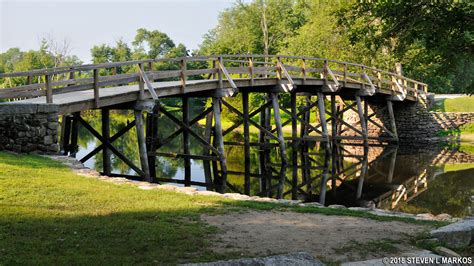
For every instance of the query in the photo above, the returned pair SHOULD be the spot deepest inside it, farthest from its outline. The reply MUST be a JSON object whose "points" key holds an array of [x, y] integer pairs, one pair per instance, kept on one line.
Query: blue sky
{"points": [[86, 23]]}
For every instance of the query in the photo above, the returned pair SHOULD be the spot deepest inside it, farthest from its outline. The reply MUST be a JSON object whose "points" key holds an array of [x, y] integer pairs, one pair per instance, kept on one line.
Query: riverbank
{"points": [[50, 215]]}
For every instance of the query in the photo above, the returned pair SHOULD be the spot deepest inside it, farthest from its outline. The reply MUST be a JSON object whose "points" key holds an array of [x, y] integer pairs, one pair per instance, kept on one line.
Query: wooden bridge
{"points": [[139, 86]]}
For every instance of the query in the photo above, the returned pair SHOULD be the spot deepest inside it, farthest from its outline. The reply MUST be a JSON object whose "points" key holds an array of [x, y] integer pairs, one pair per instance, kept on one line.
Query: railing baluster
{"points": [[183, 68], [251, 70], [325, 72], [49, 90], [303, 70], [141, 82], [219, 72], [96, 87], [345, 74]]}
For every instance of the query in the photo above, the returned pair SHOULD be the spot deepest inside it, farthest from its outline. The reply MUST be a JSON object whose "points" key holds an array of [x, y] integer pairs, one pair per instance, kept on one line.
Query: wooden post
{"points": [[49, 89], [106, 153], [220, 143], [74, 134], [261, 153], [333, 117], [152, 140], [183, 67], [245, 103], [207, 137], [363, 173], [251, 71], [294, 122], [278, 68], [96, 88], [392, 119], [322, 116], [303, 71], [279, 129], [363, 123], [65, 134], [142, 145], [325, 72], [294, 145], [379, 79], [220, 64], [29, 79], [141, 84], [345, 75], [391, 169], [187, 161]]}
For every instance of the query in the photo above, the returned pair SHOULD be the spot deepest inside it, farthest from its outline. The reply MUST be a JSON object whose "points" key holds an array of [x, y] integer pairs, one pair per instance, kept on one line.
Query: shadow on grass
{"points": [[119, 238]]}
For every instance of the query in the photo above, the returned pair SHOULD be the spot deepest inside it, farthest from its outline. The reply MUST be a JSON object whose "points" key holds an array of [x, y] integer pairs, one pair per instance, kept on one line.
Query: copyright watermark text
{"points": [[427, 260]]}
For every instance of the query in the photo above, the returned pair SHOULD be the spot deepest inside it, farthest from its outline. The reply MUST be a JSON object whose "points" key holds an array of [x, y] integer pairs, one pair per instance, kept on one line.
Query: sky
{"points": [[85, 23]]}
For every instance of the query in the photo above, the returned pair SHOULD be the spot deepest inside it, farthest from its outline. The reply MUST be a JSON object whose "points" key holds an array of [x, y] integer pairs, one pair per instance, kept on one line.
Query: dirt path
{"points": [[329, 238]]}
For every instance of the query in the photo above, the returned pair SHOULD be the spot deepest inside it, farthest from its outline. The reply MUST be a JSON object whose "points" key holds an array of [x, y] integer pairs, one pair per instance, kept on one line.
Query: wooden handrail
{"points": [[251, 65]]}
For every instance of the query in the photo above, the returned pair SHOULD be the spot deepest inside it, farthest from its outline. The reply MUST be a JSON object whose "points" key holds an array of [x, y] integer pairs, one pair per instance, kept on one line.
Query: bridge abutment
{"points": [[29, 128], [414, 122]]}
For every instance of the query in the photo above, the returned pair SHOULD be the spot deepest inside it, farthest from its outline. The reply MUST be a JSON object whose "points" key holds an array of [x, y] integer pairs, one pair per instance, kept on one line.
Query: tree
{"points": [[433, 38], [101, 54], [258, 27], [157, 42]]}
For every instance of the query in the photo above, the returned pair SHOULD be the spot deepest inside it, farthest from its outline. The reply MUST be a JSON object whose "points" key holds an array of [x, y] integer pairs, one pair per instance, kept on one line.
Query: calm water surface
{"points": [[408, 179]]}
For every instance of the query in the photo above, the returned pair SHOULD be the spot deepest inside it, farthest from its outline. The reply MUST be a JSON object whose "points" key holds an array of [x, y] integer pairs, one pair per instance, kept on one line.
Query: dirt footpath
{"points": [[329, 238]]}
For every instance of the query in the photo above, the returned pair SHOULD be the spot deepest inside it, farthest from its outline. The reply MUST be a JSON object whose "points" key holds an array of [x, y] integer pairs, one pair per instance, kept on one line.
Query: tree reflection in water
{"points": [[352, 175]]}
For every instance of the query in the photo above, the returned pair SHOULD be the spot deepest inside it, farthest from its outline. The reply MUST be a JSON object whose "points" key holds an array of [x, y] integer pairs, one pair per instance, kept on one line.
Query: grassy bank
{"points": [[48, 215], [460, 104]]}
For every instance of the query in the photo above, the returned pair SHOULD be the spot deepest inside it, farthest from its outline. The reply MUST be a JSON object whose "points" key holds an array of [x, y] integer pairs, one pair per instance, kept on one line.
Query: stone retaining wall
{"points": [[29, 127], [415, 123]]}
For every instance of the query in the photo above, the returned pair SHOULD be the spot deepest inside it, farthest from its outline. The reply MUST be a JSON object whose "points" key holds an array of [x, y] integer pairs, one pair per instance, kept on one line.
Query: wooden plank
{"points": [[245, 107]]}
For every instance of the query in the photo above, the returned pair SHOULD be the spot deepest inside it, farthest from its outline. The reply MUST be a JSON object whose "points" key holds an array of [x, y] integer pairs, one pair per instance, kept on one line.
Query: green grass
{"points": [[458, 167], [49, 215], [460, 104]]}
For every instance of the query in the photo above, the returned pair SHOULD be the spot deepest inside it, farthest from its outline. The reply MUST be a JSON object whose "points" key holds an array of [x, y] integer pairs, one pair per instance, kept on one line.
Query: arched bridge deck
{"points": [[139, 85], [79, 88]]}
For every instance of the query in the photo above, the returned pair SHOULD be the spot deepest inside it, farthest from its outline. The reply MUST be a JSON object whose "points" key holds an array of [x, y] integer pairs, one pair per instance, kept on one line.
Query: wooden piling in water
{"points": [[187, 161], [106, 154], [216, 108], [279, 129], [245, 105], [140, 128]]}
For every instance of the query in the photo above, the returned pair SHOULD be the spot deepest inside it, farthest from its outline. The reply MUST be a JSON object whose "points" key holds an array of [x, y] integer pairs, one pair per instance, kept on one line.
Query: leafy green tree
{"points": [[432, 38], [157, 42], [257, 27], [101, 54]]}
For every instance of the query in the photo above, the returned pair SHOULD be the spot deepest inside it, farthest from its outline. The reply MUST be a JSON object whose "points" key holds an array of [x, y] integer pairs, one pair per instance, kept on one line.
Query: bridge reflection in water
{"points": [[336, 172]]}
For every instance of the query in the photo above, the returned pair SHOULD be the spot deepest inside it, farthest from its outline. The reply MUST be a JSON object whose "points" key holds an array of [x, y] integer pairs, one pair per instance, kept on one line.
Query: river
{"points": [[410, 179]]}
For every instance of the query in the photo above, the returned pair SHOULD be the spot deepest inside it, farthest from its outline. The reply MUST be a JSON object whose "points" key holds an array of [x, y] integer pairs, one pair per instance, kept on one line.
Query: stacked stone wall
{"points": [[29, 128], [414, 122]]}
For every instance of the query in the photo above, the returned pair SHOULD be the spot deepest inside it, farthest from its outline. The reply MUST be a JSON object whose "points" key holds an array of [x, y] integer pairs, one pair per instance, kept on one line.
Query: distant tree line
{"points": [[433, 40]]}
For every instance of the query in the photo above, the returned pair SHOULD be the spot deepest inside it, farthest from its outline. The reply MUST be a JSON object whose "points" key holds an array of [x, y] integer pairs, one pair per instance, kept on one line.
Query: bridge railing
{"points": [[221, 68]]}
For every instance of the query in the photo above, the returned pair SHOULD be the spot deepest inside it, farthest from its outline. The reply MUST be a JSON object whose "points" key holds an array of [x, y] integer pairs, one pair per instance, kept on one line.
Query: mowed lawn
{"points": [[460, 104], [48, 216]]}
